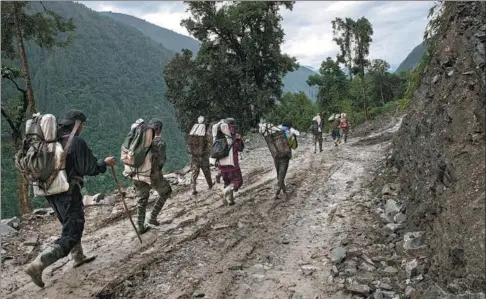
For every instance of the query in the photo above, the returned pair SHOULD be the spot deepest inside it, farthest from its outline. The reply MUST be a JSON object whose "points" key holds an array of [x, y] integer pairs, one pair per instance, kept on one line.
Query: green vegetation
{"points": [[110, 71], [295, 106], [238, 70], [293, 81]]}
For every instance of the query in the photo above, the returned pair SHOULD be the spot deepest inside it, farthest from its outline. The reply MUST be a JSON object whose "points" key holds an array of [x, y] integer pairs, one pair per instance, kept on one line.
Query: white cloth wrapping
{"points": [[318, 119], [60, 183], [198, 130]]}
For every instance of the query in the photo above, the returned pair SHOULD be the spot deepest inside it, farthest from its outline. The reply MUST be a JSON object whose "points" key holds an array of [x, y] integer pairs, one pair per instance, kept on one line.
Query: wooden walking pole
{"points": [[123, 201]]}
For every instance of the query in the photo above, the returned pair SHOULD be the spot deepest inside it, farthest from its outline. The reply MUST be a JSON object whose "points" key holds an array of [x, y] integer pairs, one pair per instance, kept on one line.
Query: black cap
{"points": [[71, 116], [156, 123]]}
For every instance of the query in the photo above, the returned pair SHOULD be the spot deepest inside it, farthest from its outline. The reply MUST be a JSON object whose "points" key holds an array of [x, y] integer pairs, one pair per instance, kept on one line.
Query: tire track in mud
{"points": [[259, 248]]}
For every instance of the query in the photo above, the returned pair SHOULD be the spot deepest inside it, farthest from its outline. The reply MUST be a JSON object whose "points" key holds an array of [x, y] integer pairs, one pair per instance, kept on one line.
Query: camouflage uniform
{"points": [[158, 183], [202, 162]]}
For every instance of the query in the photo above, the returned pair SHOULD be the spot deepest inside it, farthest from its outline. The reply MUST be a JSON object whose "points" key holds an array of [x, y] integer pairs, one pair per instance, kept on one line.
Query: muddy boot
{"points": [[141, 227], [211, 185], [218, 178], [78, 256], [47, 257], [159, 204], [225, 196], [231, 195], [194, 191]]}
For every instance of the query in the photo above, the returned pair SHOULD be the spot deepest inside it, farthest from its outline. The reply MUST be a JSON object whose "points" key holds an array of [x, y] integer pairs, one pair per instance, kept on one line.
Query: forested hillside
{"points": [[412, 59], [293, 82], [113, 73]]}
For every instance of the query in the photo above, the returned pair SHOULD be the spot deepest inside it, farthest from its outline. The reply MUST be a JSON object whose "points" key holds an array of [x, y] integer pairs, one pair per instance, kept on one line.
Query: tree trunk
{"points": [[363, 88], [23, 60], [25, 206], [382, 97]]}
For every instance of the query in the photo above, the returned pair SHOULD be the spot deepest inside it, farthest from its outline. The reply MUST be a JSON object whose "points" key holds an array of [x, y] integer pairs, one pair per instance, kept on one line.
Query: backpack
{"points": [[220, 148], [41, 159], [133, 149], [196, 144], [344, 123], [293, 142]]}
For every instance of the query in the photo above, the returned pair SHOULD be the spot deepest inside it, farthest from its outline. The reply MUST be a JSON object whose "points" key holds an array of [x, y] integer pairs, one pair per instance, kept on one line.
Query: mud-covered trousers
{"points": [[318, 138], [142, 189], [69, 209], [201, 163], [281, 165]]}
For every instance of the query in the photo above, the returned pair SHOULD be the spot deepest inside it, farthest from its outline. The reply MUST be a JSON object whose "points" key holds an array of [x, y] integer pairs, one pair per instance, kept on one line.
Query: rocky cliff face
{"points": [[440, 151]]}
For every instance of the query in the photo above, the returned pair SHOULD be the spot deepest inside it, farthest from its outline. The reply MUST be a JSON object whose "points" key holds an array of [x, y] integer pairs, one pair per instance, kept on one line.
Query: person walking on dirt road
{"points": [[230, 165], [317, 128], [344, 127], [68, 206], [282, 163], [200, 157], [336, 124], [155, 180]]}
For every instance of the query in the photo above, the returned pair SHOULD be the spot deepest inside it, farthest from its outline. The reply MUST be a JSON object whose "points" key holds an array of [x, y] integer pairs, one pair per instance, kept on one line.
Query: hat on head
{"points": [[71, 116], [200, 119]]}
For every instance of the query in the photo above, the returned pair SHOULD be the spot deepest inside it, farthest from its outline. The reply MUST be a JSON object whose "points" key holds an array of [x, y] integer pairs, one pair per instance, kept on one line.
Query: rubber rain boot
{"points": [[46, 258], [231, 195], [78, 256], [159, 204], [142, 228]]}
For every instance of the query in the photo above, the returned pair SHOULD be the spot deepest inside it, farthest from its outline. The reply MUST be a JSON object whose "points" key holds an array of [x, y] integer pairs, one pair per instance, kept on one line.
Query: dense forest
{"points": [[293, 81], [111, 72], [118, 68]]}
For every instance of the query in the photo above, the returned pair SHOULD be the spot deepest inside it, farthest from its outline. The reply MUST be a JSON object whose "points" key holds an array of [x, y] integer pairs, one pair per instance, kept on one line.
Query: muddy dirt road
{"points": [[258, 248]]}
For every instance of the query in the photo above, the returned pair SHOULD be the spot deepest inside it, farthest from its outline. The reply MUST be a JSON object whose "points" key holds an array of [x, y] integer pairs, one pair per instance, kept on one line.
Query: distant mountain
{"points": [[168, 38], [293, 82], [109, 70], [413, 58]]}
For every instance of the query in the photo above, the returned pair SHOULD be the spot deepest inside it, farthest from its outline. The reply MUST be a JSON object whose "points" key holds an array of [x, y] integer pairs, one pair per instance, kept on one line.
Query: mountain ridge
{"points": [[293, 82]]}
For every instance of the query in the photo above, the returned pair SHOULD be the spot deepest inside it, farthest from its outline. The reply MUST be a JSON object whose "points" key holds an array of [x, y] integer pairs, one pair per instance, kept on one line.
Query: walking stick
{"points": [[123, 201]]}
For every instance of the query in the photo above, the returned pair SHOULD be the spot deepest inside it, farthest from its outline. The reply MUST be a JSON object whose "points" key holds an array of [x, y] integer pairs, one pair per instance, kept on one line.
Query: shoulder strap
{"points": [[68, 143]]}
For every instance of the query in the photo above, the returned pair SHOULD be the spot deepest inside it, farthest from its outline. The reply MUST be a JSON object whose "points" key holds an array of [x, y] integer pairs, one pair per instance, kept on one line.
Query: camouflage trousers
{"points": [[142, 193], [200, 163]]}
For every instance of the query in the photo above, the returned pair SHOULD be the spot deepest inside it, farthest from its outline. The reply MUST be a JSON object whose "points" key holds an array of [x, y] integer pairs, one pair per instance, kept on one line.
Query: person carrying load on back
{"points": [[226, 146], [67, 205], [344, 127], [282, 163], [199, 146], [147, 174], [336, 124], [317, 128]]}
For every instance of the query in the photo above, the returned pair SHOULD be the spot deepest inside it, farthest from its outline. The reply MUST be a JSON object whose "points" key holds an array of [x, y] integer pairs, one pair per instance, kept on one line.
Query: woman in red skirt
{"points": [[232, 177]]}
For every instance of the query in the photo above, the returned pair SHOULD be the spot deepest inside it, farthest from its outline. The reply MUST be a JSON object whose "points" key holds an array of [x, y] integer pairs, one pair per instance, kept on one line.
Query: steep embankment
{"points": [[440, 151]]}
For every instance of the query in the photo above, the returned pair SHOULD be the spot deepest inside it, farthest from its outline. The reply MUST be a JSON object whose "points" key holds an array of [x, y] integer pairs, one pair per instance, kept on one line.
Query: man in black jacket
{"points": [[68, 206]]}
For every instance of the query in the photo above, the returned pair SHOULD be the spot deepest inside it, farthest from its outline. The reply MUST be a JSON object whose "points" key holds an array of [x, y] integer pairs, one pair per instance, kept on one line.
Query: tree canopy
{"points": [[239, 67]]}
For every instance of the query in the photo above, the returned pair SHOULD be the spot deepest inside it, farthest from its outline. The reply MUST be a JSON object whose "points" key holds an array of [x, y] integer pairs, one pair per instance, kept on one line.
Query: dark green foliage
{"points": [[238, 70], [112, 73], [168, 38], [293, 81], [296, 107]]}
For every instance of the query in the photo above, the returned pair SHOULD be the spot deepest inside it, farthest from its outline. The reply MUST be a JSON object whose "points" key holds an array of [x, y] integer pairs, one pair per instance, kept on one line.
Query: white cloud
{"points": [[398, 25]]}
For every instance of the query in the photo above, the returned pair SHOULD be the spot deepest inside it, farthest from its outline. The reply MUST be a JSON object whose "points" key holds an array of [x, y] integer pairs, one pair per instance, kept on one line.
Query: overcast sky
{"points": [[398, 25]]}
